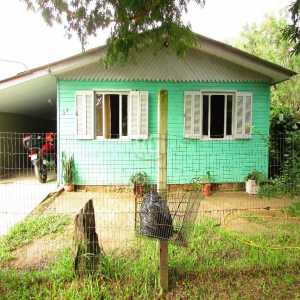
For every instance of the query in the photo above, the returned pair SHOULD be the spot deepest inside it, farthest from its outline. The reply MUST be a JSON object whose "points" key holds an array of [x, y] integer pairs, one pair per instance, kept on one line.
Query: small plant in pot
{"points": [[204, 183], [253, 181], [140, 183], [68, 167]]}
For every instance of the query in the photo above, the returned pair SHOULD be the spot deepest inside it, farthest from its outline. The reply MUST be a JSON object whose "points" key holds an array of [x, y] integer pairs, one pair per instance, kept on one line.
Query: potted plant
{"points": [[204, 183], [139, 181], [253, 180], [68, 172]]}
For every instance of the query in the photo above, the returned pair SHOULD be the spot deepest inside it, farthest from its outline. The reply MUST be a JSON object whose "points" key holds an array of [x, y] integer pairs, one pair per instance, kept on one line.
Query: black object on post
{"points": [[155, 218]]}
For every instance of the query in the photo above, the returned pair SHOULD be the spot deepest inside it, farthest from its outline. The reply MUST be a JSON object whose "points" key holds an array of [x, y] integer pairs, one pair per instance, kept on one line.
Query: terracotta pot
{"points": [[138, 190], [69, 187], [206, 189]]}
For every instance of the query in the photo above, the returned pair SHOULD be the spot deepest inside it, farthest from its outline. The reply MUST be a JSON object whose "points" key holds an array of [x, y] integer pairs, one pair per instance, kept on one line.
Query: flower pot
{"points": [[206, 189], [69, 187], [138, 190], [251, 187]]}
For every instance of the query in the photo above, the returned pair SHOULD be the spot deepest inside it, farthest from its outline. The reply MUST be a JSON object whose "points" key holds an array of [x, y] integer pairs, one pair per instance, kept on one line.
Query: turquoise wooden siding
{"points": [[113, 162]]}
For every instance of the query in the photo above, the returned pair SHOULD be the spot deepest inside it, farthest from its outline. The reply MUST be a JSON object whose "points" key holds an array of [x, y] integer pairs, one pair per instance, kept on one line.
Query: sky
{"points": [[26, 38]]}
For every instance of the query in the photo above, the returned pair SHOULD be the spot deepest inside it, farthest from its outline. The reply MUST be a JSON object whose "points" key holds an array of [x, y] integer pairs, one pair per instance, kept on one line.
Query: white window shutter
{"points": [[248, 115], [85, 115], [197, 116], [192, 115], [138, 115], [144, 114], [188, 115], [243, 115]]}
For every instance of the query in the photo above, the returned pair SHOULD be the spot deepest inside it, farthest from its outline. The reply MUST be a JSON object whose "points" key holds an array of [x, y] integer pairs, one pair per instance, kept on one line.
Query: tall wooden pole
{"points": [[162, 181]]}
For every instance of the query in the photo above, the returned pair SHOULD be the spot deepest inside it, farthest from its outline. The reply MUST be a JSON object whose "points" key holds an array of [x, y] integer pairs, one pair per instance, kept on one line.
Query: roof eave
{"points": [[276, 72]]}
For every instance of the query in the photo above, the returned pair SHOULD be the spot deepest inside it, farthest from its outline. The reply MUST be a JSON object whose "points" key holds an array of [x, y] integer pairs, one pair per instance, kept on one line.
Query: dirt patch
{"points": [[114, 214], [242, 225], [41, 252], [257, 222]]}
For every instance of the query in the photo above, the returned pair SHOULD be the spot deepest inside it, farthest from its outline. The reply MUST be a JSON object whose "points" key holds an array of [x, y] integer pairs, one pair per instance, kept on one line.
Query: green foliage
{"points": [[284, 154], [286, 182], [291, 32], [198, 182], [294, 209], [68, 166], [139, 178], [283, 121], [265, 40], [258, 176], [135, 25], [31, 228]]}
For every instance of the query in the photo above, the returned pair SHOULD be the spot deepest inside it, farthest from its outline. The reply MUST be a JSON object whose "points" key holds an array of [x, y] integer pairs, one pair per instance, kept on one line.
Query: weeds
{"points": [[294, 209], [31, 228], [217, 264]]}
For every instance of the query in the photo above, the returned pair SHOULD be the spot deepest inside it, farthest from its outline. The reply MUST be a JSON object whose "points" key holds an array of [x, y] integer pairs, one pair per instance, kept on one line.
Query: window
{"points": [[111, 115], [215, 115]]}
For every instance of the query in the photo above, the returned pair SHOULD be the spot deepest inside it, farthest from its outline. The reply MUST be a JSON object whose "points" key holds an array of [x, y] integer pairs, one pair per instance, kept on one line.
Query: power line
{"points": [[15, 62]]}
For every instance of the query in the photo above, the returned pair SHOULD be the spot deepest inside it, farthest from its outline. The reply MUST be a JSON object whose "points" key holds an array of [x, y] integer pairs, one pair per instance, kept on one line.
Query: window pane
{"points": [[99, 115], [188, 115], [229, 116], [197, 115], [114, 116], [205, 115], [217, 106], [124, 115], [239, 115], [248, 117]]}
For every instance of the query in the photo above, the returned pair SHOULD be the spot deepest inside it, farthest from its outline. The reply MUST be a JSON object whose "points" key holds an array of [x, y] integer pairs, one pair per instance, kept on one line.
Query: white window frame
{"points": [[225, 94], [110, 92], [234, 94]]}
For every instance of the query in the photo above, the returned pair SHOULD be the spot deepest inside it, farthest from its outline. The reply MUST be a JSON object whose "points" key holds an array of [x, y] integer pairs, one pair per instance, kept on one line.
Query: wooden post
{"points": [[162, 181]]}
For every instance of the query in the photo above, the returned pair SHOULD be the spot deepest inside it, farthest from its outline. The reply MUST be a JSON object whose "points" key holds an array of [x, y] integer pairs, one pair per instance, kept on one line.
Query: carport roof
{"points": [[29, 92]]}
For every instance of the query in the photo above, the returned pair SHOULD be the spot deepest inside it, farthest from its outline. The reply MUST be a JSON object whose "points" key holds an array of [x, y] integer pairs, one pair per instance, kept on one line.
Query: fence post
{"points": [[162, 181]]}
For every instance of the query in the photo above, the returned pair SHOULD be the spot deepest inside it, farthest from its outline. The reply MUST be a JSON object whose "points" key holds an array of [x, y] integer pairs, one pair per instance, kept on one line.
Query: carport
{"points": [[27, 107]]}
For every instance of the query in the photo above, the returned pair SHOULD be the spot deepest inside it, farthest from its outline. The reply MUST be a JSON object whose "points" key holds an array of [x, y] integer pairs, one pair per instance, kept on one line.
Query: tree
{"points": [[291, 32], [265, 40], [135, 24]]}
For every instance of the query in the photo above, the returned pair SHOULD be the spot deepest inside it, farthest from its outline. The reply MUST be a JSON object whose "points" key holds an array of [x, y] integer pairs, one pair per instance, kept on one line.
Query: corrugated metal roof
{"points": [[167, 66]]}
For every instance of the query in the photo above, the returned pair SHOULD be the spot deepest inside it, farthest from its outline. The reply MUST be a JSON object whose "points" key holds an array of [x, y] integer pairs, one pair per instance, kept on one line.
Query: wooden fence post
{"points": [[162, 181]]}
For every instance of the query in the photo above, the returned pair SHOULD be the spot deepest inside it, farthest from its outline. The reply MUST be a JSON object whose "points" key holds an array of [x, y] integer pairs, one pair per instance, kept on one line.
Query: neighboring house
{"points": [[218, 112]]}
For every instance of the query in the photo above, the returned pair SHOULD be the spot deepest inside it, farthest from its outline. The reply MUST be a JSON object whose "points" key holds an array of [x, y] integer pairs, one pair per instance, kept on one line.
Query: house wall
{"points": [[113, 162]]}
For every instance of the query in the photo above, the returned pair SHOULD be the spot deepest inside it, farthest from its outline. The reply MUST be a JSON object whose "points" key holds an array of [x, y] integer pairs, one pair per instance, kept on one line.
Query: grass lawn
{"points": [[219, 263]]}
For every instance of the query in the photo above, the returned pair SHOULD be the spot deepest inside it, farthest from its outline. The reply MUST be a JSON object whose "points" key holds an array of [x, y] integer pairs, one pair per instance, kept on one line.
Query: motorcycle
{"points": [[41, 152]]}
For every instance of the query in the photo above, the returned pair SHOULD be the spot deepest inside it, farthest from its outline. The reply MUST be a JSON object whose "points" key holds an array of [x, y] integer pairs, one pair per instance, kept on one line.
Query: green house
{"points": [[218, 112]]}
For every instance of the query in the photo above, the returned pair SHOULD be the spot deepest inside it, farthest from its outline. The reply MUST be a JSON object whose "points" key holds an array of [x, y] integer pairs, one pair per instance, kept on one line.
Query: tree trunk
{"points": [[87, 249]]}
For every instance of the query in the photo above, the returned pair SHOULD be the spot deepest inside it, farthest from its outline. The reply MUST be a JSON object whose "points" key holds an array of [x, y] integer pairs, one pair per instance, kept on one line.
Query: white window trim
{"points": [[210, 92], [114, 92]]}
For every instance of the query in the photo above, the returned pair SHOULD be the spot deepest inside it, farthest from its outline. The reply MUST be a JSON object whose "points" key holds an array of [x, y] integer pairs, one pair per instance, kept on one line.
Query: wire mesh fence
{"points": [[117, 174]]}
